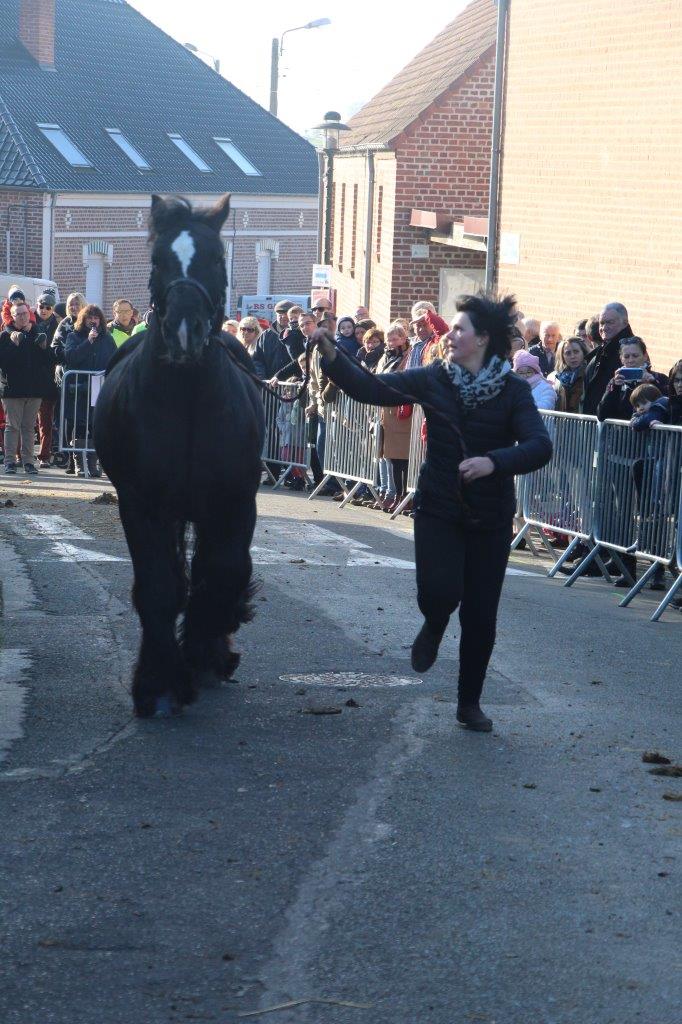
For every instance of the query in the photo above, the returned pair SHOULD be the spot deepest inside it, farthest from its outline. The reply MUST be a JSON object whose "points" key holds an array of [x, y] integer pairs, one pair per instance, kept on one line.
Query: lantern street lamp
{"points": [[331, 129], [276, 53], [214, 60]]}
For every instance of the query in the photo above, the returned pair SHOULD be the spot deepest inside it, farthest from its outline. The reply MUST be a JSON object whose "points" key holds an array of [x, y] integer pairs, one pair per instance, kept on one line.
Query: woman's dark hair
{"points": [[493, 317], [634, 340], [87, 311], [675, 372], [580, 326]]}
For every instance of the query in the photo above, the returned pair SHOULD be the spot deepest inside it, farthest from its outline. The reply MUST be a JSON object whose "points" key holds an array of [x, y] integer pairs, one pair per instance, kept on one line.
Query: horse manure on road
{"points": [[653, 757]]}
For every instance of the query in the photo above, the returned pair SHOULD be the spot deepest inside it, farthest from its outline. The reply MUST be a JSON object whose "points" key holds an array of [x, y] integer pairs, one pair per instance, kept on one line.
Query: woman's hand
{"points": [[92, 336], [474, 469], [648, 377], [325, 342], [310, 410]]}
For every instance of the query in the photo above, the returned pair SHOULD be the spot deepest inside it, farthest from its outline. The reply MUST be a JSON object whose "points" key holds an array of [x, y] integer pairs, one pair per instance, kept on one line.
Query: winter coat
{"points": [[658, 413], [64, 328], [396, 437], [615, 403], [507, 429], [569, 397], [26, 370], [544, 395], [270, 355], [602, 363], [82, 354], [48, 327], [293, 345]]}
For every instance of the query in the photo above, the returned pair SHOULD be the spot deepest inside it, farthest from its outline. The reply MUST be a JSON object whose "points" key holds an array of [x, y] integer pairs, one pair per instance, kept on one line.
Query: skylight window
{"points": [[133, 154], [190, 153], [236, 156], [63, 144]]}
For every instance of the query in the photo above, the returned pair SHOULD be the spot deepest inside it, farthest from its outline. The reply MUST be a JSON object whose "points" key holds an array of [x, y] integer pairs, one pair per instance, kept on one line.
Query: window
{"points": [[190, 153], [229, 149], [63, 144], [354, 231], [342, 225], [128, 148], [380, 213]]}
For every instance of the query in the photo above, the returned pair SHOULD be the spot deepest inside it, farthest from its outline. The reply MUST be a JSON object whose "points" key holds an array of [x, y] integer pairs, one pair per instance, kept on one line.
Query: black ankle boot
{"points": [[471, 717], [425, 648]]}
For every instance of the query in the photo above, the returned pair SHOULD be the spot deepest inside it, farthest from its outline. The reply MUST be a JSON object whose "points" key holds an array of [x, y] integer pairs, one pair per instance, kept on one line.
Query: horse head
{"points": [[188, 278]]}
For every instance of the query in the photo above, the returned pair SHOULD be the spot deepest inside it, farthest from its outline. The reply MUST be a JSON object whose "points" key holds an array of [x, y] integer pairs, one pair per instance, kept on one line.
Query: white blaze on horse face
{"points": [[182, 334], [184, 248]]}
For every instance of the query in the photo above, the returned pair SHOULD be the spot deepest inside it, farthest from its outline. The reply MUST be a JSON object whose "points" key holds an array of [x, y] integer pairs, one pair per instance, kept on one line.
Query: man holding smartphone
{"points": [[26, 377]]}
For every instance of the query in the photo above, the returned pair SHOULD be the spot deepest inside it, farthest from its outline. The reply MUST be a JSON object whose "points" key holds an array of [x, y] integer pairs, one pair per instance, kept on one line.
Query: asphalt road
{"points": [[381, 865]]}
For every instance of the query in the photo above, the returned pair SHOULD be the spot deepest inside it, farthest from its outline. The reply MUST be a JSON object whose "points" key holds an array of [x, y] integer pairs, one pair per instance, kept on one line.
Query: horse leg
{"points": [[161, 682], [220, 595]]}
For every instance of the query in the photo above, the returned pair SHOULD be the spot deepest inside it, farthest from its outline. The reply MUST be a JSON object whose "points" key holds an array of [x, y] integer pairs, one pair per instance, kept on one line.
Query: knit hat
{"points": [[524, 360], [15, 294], [47, 299]]}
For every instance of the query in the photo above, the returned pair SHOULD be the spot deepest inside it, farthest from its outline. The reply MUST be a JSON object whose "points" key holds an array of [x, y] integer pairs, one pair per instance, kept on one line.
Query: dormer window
{"points": [[237, 157], [63, 144], [123, 143], [190, 153]]}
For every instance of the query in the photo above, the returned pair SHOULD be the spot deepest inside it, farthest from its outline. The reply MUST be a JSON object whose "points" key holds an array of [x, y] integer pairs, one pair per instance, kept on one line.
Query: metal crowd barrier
{"points": [[351, 452], [79, 393], [415, 458], [286, 441], [559, 497]]}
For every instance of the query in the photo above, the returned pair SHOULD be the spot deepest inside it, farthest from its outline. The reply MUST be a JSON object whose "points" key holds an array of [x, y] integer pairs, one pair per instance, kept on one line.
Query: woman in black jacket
{"points": [[483, 428], [89, 348]]}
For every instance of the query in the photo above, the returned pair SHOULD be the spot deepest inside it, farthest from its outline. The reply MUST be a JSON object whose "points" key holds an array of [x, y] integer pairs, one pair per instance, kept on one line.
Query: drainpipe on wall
{"points": [[369, 224], [47, 254], [320, 205], [493, 197]]}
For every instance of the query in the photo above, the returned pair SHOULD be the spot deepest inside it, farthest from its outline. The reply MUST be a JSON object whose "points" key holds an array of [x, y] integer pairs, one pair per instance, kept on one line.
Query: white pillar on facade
{"points": [[267, 250], [96, 255]]}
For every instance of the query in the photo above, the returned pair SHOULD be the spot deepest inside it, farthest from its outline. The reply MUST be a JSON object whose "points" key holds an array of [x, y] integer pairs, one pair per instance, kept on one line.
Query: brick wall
{"points": [[22, 214], [441, 163], [592, 168], [128, 273]]}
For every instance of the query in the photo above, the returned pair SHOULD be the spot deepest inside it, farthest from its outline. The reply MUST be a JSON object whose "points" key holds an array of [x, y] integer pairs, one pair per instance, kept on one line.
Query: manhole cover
{"points": [[346, 679]]}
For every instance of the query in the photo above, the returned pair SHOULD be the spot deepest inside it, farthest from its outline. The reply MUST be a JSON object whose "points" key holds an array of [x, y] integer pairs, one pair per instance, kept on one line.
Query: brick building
{"points": [[592, 164], [410, 192], [86, 136]]}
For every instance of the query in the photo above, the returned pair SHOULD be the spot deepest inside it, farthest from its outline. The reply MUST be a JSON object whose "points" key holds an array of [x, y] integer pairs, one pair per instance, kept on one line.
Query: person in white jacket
{"points": [[527, 366]]}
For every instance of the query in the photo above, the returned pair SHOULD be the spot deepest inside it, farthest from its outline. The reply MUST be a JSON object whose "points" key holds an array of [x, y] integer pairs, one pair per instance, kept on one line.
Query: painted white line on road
{"points": [[58, 530], [35, 527], [14, 667], [363, 680]]}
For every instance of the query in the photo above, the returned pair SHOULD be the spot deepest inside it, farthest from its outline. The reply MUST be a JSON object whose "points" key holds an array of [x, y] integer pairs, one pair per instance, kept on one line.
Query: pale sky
{"points": [[337, 67]]}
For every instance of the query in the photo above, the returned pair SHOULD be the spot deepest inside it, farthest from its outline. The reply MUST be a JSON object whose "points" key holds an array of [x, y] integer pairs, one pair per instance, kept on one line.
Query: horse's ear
{"points": [[217, 215]]}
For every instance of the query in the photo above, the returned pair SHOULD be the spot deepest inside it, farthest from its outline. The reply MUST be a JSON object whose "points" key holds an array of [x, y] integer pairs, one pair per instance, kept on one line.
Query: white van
{"points": [[30, 286]]}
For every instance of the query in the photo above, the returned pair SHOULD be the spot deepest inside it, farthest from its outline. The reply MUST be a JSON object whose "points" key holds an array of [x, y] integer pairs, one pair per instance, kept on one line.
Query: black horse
{"points": [[179, 431]]}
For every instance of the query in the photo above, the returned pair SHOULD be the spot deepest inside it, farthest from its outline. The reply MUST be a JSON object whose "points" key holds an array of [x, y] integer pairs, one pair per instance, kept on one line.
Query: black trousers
{"points": [[399, 476], [458, 567]]}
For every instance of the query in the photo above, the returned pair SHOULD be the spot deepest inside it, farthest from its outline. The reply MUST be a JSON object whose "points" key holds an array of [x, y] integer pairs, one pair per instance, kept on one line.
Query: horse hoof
{"points": [[165, 707]]}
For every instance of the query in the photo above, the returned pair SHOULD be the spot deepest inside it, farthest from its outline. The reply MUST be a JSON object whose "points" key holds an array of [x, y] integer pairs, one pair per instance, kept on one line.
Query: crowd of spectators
{"points": [[602, 368]]}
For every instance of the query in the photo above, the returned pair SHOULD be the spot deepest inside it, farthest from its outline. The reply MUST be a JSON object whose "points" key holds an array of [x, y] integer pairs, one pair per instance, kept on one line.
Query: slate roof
{"points": [[115, 69], [434, 70]]}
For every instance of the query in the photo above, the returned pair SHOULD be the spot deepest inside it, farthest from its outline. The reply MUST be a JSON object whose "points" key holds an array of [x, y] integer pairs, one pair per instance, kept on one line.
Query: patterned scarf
{"points": [[475, 389]]}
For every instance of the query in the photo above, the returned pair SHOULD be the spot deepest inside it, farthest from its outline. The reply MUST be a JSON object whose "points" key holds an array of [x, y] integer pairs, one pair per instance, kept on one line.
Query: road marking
{"points": [[14, 666], [362, 680], [58, 530]]}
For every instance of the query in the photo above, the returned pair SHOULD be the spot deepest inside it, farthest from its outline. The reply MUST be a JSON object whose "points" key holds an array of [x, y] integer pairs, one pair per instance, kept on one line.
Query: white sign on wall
{"points": [[510, 247], [420, 251], [322, 275]]}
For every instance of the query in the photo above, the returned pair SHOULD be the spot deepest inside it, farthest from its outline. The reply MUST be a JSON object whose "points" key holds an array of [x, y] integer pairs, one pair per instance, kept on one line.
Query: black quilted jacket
{"points": [[507, 428]]}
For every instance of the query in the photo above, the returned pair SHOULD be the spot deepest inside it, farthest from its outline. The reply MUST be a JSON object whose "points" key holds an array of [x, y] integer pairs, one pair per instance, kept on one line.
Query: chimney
{"points": [[36, 30]]}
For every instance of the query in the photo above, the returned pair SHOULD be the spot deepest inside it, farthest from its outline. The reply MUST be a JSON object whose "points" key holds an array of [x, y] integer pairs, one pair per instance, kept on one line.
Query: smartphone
{"points": [[631, 373]]}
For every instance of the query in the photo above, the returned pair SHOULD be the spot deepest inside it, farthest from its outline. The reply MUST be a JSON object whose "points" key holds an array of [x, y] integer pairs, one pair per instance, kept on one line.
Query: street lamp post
{"points": [[276, 53], [195, 49], [331, 128]]}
